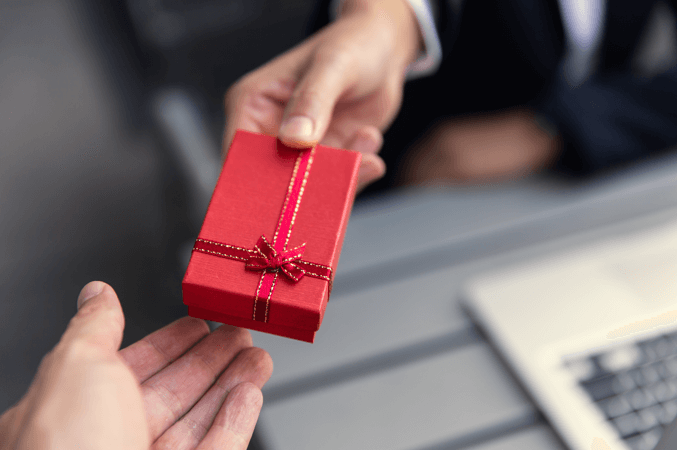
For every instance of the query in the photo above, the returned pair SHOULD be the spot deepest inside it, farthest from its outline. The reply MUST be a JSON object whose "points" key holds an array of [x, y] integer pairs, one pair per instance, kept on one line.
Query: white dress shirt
{"points": [[583, 22]]}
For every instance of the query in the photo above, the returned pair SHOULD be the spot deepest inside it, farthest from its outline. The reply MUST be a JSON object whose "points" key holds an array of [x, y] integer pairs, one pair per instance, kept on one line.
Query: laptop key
{"points": [[623, 382], [653, 436], [672, 338], [615, 406], [645, 375], [663, 391], [658, 411], [641, 398], [638, 443], [663, 347], [599, 388], [648, 419], [645, 441], [651, 349], [669, 412], [662, 414], [669, 367], [650, 373], [672, 383], [627, 425]]}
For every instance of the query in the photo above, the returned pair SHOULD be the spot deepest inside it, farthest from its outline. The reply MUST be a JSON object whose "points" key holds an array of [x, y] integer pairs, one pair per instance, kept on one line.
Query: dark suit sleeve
{"points": [[615, 117], [612, 119]]}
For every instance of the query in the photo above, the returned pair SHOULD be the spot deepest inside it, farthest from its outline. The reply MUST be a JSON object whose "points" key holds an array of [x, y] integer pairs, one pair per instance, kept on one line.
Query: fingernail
{"points": [[297, 127], [90, 290]]}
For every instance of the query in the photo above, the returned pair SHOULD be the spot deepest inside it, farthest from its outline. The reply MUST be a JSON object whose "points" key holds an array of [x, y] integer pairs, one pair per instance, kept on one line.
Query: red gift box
{"points": [[270, 242]]}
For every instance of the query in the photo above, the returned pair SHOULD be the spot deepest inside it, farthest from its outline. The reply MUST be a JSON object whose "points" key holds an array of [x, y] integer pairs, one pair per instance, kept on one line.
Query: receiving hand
{"points": [[180, 387], [341, 87], [488, 147]]}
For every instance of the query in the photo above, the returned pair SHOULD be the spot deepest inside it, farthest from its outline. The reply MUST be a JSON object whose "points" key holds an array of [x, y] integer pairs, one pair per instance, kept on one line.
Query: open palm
{"points": [[181, 387]]}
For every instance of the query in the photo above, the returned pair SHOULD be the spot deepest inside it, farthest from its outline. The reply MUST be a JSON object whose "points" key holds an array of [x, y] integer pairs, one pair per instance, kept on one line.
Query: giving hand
{"points": [[341, 87]]}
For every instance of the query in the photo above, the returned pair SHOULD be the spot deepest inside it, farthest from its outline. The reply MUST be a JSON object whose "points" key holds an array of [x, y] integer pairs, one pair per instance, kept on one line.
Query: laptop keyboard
{"points": [[635, 386]]}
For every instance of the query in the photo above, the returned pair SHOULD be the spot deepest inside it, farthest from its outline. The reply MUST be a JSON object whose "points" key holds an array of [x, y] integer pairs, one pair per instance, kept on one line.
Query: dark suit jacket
{"points": [[503, 53]]}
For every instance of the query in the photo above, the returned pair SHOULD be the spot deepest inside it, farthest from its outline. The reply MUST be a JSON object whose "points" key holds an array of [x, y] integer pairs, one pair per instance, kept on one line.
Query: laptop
{"points": [[589, 326]]}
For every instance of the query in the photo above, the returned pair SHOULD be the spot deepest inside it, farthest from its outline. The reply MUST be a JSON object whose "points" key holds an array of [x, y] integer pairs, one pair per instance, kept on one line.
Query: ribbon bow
{"points": [[265, 257]]}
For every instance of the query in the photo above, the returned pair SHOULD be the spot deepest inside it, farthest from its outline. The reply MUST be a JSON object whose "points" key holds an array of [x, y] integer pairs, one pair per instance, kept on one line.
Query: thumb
{"points": [[310, 108], [99, 322]]}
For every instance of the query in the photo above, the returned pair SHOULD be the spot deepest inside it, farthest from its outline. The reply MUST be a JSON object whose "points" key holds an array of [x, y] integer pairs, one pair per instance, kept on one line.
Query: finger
{"points": [[372, 168], [234, 424], [309, 111], [354, 136], [251, 365], [99, 322], [171, 393], [256, 106], [368, 141], [159, 349]]}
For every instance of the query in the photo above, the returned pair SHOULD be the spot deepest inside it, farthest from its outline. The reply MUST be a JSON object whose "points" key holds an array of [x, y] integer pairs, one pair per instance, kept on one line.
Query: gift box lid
{"points": [[246, 205]]}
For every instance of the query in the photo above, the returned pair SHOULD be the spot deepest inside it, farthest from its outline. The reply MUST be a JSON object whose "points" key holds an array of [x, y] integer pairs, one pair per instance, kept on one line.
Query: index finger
{"points": [[157, 350]]}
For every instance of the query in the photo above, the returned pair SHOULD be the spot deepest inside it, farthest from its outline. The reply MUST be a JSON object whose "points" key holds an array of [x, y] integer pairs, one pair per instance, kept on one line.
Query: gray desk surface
{"points": [[397, 364]]}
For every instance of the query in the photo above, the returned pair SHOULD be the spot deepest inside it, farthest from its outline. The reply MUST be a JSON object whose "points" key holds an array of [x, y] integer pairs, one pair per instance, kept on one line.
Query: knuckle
{"points": [[97, 305], [327, 68], [236, 90], [198, 429], [104, 309], [239, 90], [169, 398], [307, 99], [78, 350], [107, 319], [337, 57]]}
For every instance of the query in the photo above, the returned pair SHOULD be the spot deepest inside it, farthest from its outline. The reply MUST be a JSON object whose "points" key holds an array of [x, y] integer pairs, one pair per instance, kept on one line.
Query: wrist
{"points": [[398, 18]]}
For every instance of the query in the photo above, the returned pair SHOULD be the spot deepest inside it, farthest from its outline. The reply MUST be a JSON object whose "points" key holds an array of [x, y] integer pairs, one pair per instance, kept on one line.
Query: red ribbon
{"points": [[274, 258], [269, 258]]}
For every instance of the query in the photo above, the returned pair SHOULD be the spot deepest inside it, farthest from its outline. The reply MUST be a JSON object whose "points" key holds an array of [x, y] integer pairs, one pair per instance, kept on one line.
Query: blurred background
{"points": [[110, 128], [96, 114]]}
